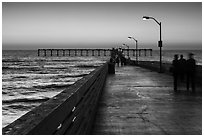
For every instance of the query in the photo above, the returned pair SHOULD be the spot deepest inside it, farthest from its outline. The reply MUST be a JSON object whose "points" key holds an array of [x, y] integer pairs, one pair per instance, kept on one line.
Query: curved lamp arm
{"points": [[147, 17]]}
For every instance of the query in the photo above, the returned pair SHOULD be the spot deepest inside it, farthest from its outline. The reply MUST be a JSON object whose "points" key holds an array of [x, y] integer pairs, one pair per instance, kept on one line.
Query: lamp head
{"points": [[145, 17], [129, 37]]}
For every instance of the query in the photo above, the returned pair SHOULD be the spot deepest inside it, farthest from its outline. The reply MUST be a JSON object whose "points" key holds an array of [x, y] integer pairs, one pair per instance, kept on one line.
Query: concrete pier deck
{"points": [[142, 102]]}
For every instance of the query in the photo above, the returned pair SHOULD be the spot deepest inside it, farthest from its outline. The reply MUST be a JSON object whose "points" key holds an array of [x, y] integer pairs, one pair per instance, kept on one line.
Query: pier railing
{"points": [[154, 65], [70, 112]]}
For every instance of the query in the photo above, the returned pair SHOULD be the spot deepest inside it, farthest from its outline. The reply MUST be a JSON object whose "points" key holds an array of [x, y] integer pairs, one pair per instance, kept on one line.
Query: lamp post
{"points": [[136, 47], [127, 50], [159, 42]]}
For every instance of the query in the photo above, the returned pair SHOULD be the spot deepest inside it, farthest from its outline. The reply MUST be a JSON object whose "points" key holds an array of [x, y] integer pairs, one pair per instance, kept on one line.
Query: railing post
{"points": [[50, 52], [92, 52], [145, 52], [75, 52], [57, 52], [44, 52], [98, 52], [133, 52], [81, 52], [38, 52], [87, 52], [63, 52]]}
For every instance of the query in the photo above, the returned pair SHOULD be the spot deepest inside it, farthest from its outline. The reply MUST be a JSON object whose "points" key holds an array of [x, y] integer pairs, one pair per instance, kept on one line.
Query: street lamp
{"points": [[135, 47], [128, 49], [159, 42]]}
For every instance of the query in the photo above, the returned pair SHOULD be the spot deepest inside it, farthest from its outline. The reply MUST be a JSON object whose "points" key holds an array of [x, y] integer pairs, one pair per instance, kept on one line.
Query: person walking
{"points": [[175, 70], [190, 72], [117, 60], [182, 68]]}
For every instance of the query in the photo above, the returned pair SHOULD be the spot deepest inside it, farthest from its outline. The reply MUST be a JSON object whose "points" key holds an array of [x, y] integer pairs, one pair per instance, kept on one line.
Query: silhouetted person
{"points": [[190, 72], [117, 60], [128, 60], [175, 70], [111, 66], [182, 68], [112, 60], [123, 60], [113, 53]]}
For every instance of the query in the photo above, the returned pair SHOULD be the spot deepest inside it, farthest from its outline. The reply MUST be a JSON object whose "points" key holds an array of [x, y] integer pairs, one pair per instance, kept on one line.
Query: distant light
{"points": [[145, 17]]}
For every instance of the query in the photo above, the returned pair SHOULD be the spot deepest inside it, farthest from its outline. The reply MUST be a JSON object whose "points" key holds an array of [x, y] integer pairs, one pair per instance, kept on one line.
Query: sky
{"points": [[33, 25]]}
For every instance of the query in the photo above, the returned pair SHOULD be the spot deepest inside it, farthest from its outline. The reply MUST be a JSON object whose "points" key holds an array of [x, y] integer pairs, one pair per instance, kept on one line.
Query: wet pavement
{"points": [[142, 102]]}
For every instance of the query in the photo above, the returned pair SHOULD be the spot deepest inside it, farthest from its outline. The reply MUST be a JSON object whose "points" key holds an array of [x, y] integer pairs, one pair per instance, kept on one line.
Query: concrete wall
{"points": [[70, 112]]}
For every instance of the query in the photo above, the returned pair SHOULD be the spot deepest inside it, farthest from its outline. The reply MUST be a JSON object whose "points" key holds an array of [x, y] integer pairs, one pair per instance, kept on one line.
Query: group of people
{"points": [[184, 71], [118, 57]]}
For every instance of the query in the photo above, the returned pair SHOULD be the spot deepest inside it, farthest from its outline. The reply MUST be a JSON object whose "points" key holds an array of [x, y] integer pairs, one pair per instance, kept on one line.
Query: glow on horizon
{"points": [[100, 25]]}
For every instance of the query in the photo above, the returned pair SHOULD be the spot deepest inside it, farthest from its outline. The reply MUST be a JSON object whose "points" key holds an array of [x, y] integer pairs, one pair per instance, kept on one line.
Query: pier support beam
{"points": [[104, 52], [51, 52], [44, 52], [57, 52], [133, 52], [87, 53], [63, 52], [81, 52], [145, 52], [69, 52], [92, 52], [38, 52], [98, 52], [75, 52]]}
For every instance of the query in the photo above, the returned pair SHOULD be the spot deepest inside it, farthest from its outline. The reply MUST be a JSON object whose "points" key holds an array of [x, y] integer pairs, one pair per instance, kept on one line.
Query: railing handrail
{"points": [[67, 111]]}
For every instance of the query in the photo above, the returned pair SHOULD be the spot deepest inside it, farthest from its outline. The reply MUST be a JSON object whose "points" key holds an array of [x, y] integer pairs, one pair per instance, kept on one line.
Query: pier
{"points": [[90, 52], [136, 100]]}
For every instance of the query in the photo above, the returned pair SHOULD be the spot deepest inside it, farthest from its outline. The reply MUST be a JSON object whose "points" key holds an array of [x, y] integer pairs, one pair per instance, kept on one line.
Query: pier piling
{"points": [[86, 52]]}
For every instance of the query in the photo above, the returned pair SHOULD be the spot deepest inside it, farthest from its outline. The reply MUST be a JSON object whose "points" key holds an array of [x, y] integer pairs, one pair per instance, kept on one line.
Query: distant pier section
{"points": [[90, 52]]}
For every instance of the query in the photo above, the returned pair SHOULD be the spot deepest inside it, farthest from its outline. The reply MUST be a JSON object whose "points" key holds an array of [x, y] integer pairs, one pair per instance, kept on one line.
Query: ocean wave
{"points": [[86, 66], [57, 77], [43, 72], [52, 86], [31, 68], [64, 60], [21, 107], [12, 68], [20, 77], [73, 76], [4, 68], [27, 100], [12, 60]]}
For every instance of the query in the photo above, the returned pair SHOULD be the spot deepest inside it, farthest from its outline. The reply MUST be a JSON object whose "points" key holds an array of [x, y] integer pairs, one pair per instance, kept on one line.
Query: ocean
{"points": [[29, 79]]}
